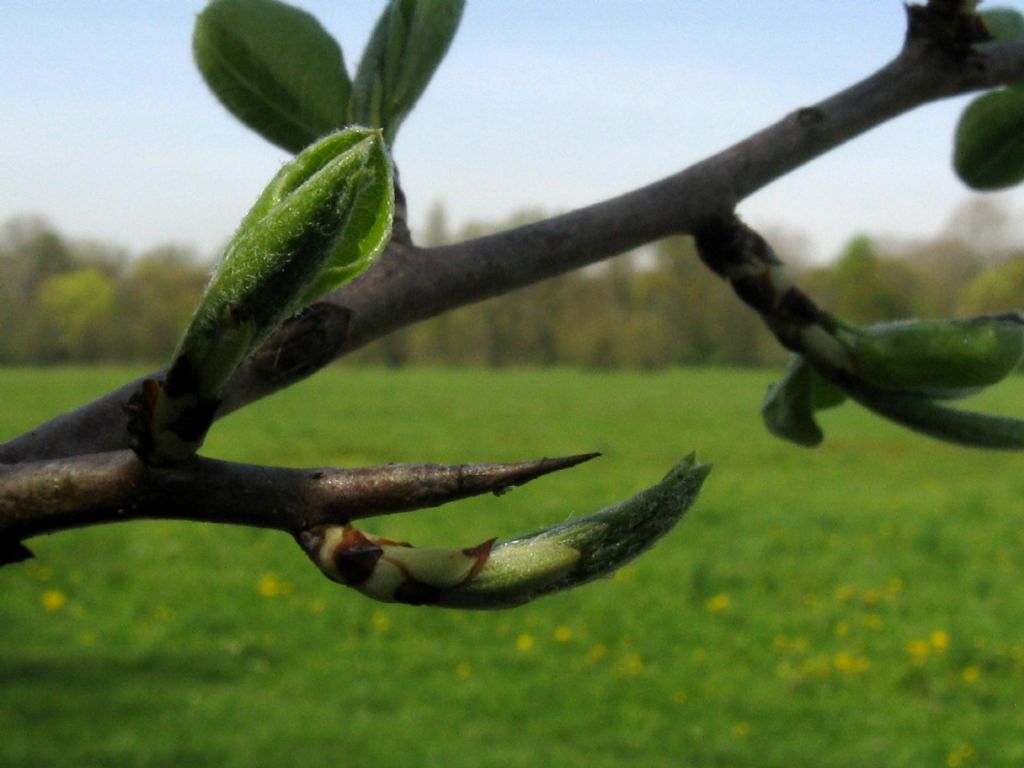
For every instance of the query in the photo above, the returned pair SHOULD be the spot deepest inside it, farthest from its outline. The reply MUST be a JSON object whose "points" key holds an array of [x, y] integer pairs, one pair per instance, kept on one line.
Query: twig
{"points": [[43, 497]]}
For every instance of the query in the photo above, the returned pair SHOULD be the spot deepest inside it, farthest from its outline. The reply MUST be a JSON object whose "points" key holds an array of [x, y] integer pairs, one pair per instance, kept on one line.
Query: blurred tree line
{"points": [[65, 301]]}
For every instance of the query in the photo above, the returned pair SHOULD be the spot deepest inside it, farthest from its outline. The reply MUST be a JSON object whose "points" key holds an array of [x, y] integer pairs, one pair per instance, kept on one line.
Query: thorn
{"points": [[501, 478], [356, 494]]}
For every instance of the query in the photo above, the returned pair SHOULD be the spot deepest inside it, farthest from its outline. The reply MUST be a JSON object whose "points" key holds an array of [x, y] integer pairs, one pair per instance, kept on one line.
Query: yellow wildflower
{"points": [[381, 622], [524, 642], [919, 650], [850, 663], [270, 586], [563, 634], [597, 652], [53, 599], [959, 755], [971, 674], [625, 573], [843, 593], [940, 640], [718, 603]]}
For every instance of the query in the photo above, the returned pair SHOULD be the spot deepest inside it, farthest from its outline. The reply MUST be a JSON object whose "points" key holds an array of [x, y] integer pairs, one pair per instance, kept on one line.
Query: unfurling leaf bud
{"points": [[899, 370], [513, 572], [321, 221]]}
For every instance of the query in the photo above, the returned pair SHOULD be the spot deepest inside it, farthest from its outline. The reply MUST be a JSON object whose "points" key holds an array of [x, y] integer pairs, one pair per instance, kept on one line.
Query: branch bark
{"points": [[43, 497]]}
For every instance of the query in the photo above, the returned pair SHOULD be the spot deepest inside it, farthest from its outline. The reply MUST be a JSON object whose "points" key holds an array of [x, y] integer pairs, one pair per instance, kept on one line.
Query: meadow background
{"points": [[860, 604]]}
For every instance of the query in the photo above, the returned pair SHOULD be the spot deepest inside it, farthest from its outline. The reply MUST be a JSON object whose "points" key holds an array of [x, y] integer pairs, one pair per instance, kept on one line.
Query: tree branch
{"points": [[410, 284], [43, 497]]}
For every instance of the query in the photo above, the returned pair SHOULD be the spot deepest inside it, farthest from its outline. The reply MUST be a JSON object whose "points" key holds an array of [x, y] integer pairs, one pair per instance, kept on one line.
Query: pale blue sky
{"points": [[109, 131]]}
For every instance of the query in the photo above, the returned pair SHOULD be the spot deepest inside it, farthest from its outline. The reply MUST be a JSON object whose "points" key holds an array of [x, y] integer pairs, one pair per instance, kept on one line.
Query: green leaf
{"points": [[321, 221], [1004, 24], [937, 358], [366, 232], [407, 45], [824, 394], [989, 144], [274, 68], [790, 403], [953, 425]]}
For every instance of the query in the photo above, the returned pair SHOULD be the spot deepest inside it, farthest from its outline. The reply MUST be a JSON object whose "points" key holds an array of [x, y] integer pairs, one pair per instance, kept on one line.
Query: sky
{"points": [[110, 133]]}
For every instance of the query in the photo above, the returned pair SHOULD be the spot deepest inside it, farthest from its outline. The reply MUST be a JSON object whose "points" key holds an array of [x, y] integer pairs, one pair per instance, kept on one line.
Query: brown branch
{"points": [[410, 284], [48, 496]]}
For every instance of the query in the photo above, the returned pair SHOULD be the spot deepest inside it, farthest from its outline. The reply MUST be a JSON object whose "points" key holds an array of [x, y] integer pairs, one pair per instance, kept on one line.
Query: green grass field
{"points": [[857, 605]]}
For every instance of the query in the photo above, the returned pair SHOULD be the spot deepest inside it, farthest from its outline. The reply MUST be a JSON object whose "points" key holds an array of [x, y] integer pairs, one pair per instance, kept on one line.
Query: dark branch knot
{"points": [[950, 27]]}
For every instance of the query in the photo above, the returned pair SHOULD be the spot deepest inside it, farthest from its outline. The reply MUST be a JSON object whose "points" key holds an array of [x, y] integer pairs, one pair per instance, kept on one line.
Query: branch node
{"points": [[948, 26], [304, 344], [808, 117]]}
